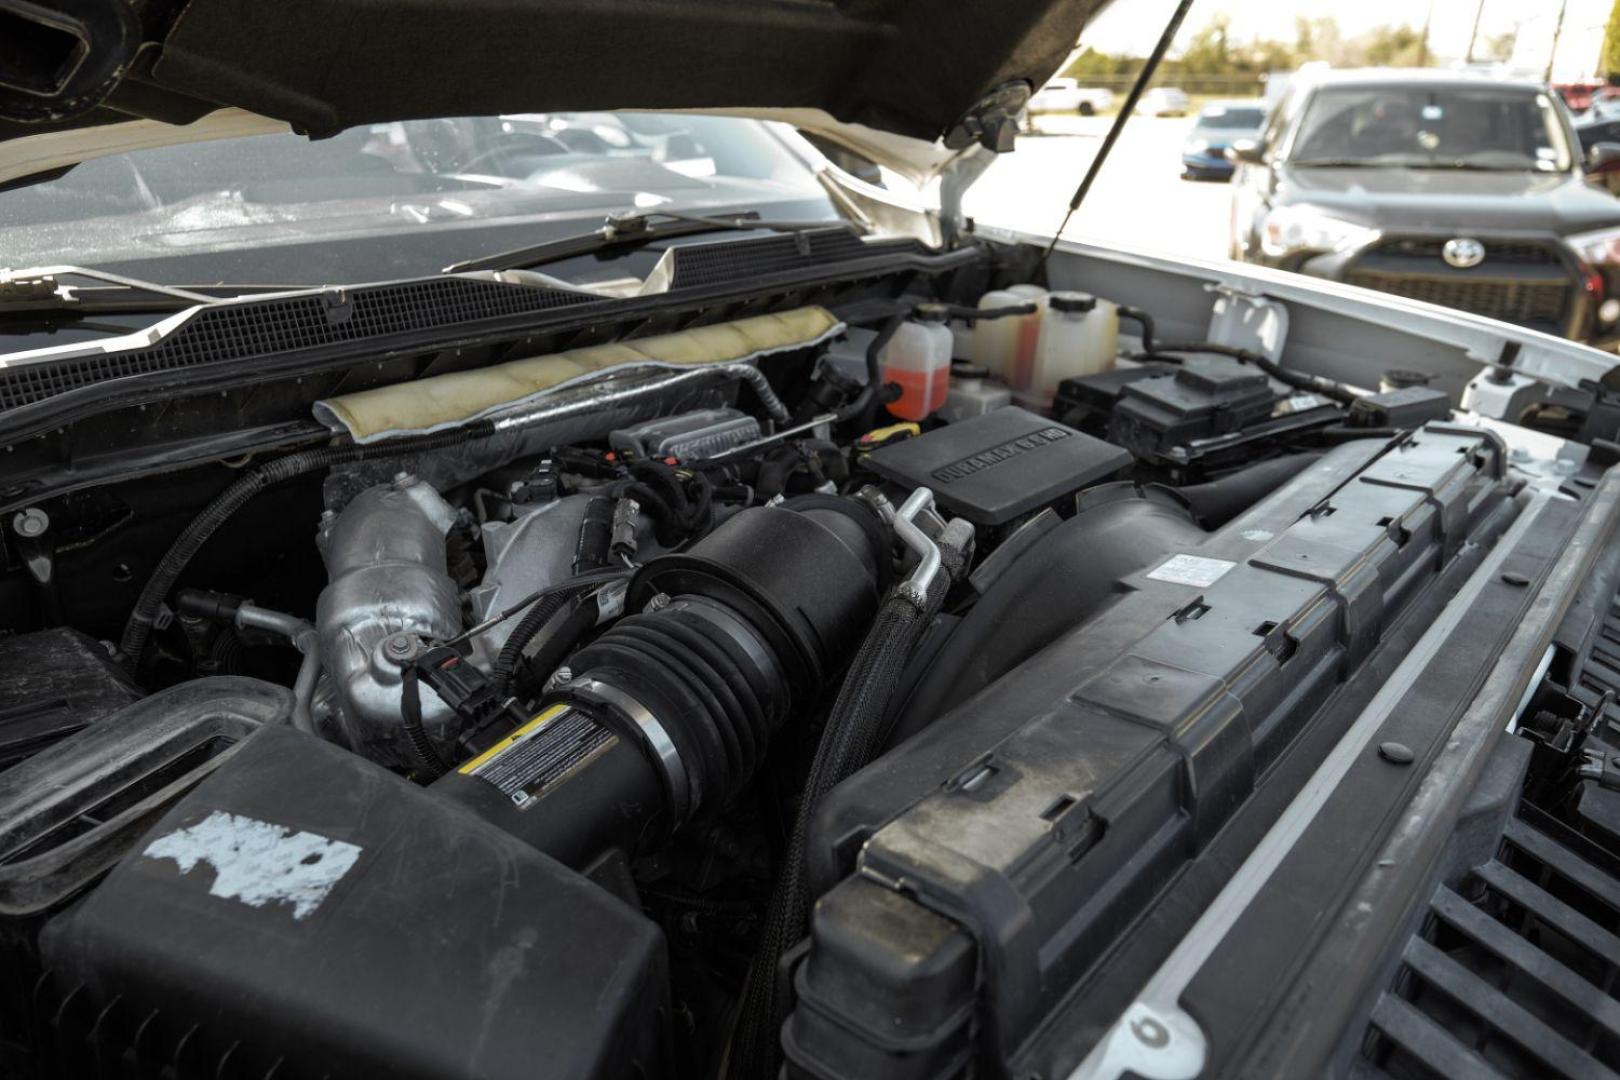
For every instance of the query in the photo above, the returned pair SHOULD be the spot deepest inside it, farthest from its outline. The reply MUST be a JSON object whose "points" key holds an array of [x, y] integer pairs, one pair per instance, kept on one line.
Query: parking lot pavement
{"points": [[1139, 199]]}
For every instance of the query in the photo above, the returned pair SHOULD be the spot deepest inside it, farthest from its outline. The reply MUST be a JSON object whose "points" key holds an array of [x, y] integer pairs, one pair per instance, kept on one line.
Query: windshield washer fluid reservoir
{"points": [[1079, 336], [918, 360]]}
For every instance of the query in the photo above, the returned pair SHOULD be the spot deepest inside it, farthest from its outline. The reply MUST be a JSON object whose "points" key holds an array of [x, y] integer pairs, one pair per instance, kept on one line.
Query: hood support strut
{"points": [[1125, 111]]}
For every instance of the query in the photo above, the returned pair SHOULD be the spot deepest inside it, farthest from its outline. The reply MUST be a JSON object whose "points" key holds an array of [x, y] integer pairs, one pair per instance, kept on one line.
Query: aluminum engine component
{"points": [[385, 554], [699, 434], [534, 552]]}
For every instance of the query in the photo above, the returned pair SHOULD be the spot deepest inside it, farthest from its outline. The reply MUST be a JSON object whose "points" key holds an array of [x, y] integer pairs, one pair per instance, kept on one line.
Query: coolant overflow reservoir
{"points": [[918, 360], [1080, 336]]}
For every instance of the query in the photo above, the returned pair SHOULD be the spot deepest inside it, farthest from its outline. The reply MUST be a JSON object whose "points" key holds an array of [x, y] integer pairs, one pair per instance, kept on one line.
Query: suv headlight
{"points": [[1290, 229], [1196, 146], [1601, 248]]}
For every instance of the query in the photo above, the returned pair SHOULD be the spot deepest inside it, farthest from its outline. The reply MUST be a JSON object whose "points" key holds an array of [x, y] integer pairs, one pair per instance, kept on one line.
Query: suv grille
{"points": [[1521, 281], [1525, 252], [1515, 972], [1536, 303]]}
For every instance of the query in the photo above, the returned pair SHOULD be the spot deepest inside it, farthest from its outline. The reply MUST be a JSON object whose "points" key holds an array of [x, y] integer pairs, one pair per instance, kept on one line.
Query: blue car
{"points": [[1203, 155]]}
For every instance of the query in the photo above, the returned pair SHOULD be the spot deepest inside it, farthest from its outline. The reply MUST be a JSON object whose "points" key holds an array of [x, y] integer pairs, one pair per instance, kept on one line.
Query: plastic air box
{"points": [[303, 912]]}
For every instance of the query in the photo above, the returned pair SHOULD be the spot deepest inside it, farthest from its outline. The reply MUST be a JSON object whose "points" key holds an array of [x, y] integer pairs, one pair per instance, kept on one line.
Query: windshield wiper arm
{"points": [[1345, 163], [631, 230], [42, 286], [47, 288], [1470, 166]]}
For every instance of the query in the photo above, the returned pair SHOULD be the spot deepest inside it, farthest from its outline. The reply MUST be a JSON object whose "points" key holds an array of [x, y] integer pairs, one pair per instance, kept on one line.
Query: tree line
{"points": [[1212, 52]]}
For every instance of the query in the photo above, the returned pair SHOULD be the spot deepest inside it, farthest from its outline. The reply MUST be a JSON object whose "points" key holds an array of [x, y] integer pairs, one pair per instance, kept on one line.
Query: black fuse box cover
{"points": [[1081, 397], [1207, 396], [999, 466], [304, 912]]}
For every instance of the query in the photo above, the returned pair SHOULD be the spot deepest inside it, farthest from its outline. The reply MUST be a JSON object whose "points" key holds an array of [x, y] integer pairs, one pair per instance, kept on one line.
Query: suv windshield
{"points": [[1231, 118], [1482, 127], [395, 199]]}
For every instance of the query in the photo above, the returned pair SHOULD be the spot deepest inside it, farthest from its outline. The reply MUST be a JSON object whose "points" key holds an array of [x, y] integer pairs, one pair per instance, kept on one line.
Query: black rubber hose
{"points": [[868, 396], [560, 642], [138, 629], [973, 314], [1144, 319], [410, 711], [1297, 379], [1218, 501], [855, 729], [533, 621]]}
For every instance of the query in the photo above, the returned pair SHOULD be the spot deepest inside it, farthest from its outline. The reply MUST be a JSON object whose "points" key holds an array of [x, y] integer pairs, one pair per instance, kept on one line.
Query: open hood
{"points": [[858, 71]]}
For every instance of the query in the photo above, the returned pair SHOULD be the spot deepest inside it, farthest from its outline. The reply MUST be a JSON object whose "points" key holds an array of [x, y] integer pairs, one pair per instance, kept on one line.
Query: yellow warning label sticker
{"points": [[513, 739]]}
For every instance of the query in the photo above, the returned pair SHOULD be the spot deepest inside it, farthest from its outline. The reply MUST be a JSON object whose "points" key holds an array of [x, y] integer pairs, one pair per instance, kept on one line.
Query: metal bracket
{"points": [[992, 122]]}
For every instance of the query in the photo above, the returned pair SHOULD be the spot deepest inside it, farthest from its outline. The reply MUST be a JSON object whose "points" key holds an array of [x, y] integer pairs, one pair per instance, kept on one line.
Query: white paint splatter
{"points": [[1259, 536], [257, 862]]}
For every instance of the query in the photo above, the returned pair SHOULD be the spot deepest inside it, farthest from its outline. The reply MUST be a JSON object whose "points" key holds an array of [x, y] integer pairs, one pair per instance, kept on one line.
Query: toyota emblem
{"points": [[1464, 253]]}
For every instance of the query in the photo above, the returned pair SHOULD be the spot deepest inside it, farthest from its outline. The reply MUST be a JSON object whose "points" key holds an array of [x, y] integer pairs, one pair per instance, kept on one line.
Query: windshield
{"points": [[396, 199], [1482, 127], [1231, 118]]}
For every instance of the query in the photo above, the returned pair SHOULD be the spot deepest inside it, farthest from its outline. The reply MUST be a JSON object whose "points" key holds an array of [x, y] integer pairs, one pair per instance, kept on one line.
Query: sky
{"points": [[1132, 26]]}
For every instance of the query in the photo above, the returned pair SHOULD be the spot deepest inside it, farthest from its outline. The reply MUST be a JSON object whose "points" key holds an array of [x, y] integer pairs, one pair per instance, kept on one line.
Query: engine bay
{"points": [[831, 689]]}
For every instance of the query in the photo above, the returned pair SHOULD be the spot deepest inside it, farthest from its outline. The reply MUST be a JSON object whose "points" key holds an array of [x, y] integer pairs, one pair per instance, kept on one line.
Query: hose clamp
{"points": [[915, 587], [652, 733]]}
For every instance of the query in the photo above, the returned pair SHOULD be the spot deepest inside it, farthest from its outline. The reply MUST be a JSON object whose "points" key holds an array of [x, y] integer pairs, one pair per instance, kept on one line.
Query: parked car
{"points": [[502, 578], [1163, 101], [1600, 125], [1581, 96], [1458, 189], [1066, 95], [1203, 152]]}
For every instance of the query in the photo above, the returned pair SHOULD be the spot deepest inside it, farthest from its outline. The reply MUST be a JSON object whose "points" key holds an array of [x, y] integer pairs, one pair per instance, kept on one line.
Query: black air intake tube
{"points": [[1063, 579], [672, 709]]}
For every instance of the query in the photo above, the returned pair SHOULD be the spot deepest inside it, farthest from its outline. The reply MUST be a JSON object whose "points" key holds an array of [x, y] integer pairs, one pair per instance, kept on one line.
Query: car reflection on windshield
{"points": [[240, 198], [1484, 128]]}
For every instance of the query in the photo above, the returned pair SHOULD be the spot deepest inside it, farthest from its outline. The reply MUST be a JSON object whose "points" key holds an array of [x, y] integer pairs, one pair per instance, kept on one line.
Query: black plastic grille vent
{"points": [[268, 327], [1515, 972], [1601, 672], [81, 1036], [698, 265]]}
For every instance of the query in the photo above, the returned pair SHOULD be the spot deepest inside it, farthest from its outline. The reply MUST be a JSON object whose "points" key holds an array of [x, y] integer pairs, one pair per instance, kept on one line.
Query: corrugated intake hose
{"points": [[137, 631], [855, 730]]}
